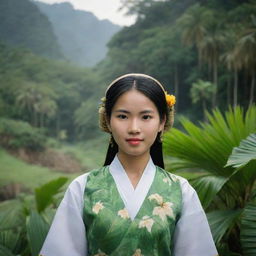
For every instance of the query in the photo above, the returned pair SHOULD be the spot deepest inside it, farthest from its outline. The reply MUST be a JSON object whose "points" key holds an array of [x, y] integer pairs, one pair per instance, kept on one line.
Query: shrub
{"points": [[19, 134]]}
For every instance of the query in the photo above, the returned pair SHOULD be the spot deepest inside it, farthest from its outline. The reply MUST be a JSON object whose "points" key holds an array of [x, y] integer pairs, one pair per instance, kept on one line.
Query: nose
{"points": [[134, 127]]}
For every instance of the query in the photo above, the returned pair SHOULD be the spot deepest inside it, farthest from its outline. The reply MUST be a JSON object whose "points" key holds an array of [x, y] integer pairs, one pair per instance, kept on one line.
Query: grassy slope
{"points": [[13, 170], [91, 153]]}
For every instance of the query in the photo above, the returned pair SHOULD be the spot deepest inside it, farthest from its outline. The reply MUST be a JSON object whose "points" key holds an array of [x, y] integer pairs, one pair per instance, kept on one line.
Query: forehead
{"points": [[134, 100]]}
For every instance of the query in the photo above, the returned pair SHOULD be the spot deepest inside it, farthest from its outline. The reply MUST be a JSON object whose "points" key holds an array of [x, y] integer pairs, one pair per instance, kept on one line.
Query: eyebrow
{"points": [[146, 111]]}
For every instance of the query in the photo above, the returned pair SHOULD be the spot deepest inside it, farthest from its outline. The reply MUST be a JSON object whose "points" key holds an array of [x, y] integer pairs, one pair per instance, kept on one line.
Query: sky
{"points": [[102, 9]]}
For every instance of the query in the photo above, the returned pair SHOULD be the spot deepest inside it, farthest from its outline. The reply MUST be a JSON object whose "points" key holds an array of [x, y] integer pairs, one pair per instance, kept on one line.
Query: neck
{"points": [[134, 165]]}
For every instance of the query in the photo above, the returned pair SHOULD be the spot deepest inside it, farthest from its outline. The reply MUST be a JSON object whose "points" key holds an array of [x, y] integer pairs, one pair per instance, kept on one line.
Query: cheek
{"points": [[152, 130]]}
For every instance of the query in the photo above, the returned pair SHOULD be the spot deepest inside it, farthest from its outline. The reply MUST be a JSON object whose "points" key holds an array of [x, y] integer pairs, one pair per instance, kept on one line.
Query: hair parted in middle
{"points": [[153, 90]]}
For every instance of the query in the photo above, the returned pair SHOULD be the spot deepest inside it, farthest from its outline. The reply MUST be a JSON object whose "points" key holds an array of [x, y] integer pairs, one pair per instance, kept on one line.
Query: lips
{"points": [[134, 141]]}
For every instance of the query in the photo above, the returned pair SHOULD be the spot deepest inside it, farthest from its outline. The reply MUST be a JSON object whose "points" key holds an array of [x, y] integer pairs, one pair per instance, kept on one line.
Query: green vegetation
{"points": [[18, 134], [23, 25], [91, 154], [13, 170], [89, 33], [224, 151], [47, 94], [24, 223], [209, 40]]}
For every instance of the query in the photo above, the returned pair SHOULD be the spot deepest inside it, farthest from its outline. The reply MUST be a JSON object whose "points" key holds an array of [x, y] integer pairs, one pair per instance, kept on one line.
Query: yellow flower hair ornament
{"points": [[170, 99]]}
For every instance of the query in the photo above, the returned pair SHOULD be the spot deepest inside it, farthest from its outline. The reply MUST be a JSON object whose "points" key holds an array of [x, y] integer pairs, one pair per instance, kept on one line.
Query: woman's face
{"points": [[134, 123]]}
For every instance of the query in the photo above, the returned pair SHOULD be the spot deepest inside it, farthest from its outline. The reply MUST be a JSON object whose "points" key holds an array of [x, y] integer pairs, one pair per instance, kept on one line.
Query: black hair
{"points": [[150, 89]]}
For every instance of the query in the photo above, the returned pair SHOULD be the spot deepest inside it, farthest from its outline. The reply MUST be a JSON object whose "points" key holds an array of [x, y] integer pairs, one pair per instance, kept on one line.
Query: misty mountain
{"points": [[23, 25], [80, 34]]}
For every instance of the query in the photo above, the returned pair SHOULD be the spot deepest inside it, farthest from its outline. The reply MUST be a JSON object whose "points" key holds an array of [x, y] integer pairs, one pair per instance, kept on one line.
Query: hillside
{"points": [[23, 25], [81, 35]]}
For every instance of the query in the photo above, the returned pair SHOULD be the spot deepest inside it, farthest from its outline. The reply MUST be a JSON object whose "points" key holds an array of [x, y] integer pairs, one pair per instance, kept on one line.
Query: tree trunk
{"points": [[252, 89], [235, 88], [42, 120], [204, 110], [176, 85], [228, 92], [57, 124], [34, 118], [215, 82]]}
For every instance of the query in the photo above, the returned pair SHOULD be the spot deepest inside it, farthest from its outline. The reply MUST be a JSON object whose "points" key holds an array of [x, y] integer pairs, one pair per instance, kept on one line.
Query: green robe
{"points": [[110, 230]]}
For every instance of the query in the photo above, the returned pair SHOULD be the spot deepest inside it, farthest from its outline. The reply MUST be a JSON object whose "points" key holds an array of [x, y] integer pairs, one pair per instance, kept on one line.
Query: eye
{"points": [[122, 116], [146, 117]]}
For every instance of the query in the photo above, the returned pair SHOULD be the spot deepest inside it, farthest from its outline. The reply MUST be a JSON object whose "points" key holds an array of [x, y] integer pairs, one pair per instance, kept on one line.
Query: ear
{"points": [[162, 124]]}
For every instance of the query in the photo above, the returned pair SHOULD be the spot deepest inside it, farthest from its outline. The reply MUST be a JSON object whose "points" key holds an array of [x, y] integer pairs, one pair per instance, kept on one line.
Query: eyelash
{"points": [[122, 116], [144, 117], [147, 117]]}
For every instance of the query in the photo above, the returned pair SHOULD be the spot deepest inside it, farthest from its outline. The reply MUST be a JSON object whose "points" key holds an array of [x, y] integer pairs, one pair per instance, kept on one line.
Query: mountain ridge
{"points": [[23, 25], [81, 35]]}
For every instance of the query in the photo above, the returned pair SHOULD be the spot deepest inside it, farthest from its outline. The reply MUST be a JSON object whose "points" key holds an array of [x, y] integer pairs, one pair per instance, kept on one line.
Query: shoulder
{"points": [[78, 184], [176, 178], [98, 171], [188, 192], [190, 201], [75, 192]]}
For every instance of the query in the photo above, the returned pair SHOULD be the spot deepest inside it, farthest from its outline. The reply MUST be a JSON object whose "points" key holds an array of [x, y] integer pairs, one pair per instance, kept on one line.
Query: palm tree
{"points": [[211, 48], [246, 48], [46, 108], [193, 24], [202, 91], [227, 191], [232, 58], [27, 97], [38, 100]]}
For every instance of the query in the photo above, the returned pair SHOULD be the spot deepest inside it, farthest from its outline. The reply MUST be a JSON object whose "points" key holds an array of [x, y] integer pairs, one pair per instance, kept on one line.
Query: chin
{"points": [[135, 153]]}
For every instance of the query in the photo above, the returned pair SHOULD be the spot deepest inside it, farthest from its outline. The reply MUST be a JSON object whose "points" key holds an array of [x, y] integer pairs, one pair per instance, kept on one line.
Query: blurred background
{"points": [[57, 58]]}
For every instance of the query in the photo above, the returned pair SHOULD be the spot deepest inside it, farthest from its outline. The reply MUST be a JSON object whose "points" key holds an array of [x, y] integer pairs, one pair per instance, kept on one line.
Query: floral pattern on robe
{"points": [[110, 228]]}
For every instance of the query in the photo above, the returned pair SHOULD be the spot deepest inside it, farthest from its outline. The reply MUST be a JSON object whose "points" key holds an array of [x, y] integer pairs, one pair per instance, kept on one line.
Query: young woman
{"points": [[131, 206]]}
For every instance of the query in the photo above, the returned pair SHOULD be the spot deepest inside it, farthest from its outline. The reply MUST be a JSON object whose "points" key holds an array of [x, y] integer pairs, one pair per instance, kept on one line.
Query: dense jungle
{"points": [[203, 51]]}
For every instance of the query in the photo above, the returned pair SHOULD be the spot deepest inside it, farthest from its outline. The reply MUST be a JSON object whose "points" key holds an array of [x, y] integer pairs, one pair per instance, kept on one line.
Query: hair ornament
{"points": [[102, 116], [170, 99], [102, 105], [138, 75]]}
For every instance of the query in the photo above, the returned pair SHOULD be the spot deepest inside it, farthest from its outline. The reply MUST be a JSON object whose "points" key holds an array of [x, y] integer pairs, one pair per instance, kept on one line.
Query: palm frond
{"points": [[248, 230], [244, 153], [222, 221], [207, 188]]}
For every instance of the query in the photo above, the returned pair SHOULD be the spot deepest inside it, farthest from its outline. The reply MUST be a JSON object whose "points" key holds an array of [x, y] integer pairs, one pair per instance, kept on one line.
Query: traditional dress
{"points": [[102, 214]]}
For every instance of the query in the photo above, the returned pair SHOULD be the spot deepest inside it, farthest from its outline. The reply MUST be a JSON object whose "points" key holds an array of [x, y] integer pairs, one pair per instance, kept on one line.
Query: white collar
{"points": [[132, 198]]}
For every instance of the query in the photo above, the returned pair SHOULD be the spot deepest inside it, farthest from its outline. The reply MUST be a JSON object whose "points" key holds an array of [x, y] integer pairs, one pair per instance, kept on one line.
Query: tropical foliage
{"points": [[46, 94], [24, 222], [193, 40], [223, 153]]}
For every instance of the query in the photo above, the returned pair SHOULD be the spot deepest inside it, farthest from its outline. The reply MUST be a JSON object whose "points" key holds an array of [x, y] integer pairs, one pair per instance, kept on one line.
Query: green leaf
{"points": [[11, 216], [248, 230], [207, 146], [11, 239], [5, 251], [244, 153], [37, 230], [221, 222], [207, 187], [44, 194]]}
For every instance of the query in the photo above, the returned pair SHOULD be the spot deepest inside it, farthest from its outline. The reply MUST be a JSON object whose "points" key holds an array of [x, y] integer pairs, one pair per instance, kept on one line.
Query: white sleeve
{"points": [[192, 235], [67, 233]]}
